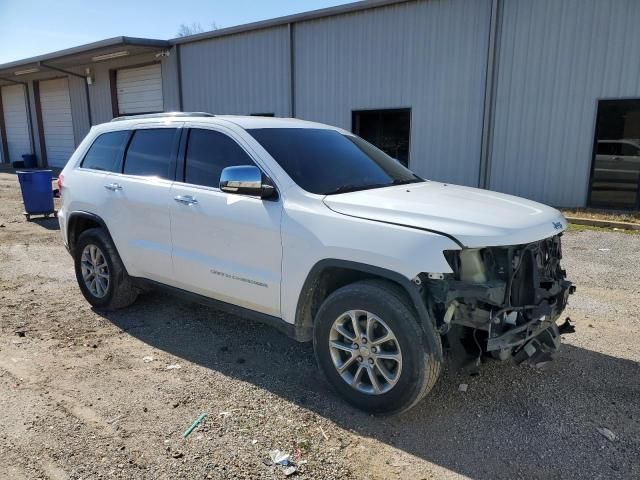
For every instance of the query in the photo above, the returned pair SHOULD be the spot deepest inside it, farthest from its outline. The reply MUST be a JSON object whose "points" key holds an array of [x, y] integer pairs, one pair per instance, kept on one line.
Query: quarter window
{"points": [[105, 151], [151, 153], [208, 153]]}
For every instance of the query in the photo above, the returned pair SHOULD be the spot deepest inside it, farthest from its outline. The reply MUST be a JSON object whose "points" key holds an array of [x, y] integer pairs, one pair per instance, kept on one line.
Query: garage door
{"points": [[139, 90], [16, 122], [56, 120]]}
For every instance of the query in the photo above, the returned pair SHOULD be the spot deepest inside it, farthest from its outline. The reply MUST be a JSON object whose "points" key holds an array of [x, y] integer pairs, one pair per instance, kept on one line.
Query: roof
{"points": [[83, 54], [298, 17]]}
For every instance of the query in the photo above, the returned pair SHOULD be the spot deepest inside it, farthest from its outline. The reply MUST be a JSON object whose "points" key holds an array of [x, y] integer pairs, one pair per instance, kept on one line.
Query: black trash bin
{"points": [[30, 160]]}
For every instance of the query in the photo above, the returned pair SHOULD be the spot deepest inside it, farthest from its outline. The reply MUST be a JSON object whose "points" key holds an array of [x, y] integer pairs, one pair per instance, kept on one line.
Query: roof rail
{"points": [[163, 115]]}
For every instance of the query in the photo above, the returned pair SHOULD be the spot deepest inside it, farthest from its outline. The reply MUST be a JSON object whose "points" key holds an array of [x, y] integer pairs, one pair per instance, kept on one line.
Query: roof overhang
{"points": [[90, 53], [288, 19], [117, 47]]}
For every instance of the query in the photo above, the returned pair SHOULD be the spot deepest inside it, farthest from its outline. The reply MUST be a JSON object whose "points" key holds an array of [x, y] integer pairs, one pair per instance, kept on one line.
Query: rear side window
{"points": [[208, 152], [105, 151], [151, 153]]}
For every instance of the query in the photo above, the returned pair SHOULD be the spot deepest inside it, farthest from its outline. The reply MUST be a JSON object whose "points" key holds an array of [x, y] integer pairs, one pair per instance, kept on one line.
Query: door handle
{"points": [[113, 186], [186, 199]]}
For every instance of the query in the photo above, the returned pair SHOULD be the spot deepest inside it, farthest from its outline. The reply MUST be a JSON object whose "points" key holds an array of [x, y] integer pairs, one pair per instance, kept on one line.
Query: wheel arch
{"points": [[328, 275], [78, 222]]}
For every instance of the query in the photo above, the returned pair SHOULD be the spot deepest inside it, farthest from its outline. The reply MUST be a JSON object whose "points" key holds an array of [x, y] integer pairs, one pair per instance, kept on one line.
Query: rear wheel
{"points": [[101, 275], [368, 342]]}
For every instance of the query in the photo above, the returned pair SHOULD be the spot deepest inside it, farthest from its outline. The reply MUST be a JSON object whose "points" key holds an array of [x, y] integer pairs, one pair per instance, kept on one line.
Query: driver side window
{"points": [[208, 153]]}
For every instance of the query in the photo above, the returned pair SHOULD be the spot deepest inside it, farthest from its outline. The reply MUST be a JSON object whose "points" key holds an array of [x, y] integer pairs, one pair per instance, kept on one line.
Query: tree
{"points": [[186, 30]]}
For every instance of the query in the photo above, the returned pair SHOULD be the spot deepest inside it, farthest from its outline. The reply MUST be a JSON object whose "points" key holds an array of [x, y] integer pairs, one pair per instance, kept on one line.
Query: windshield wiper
{"points": [[350, 187], [407, 181]]}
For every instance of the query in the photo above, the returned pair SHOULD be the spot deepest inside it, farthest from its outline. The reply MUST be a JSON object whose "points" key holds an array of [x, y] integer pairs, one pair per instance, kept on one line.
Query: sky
{"points": [[34, 27]]}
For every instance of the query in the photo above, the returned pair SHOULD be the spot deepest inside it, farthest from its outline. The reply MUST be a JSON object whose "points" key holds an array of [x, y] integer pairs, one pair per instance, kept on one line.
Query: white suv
{"points": [[320, 234]]}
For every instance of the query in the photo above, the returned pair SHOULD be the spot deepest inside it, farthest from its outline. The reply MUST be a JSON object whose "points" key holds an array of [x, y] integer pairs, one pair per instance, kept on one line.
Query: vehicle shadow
{"points": [[50, 223], [512, 422]]}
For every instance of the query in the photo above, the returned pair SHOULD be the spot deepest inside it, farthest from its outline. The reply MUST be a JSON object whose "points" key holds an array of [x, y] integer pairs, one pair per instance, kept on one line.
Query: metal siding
{"points": [[170, 82], [428, 55], [16, 121], [140, 90], [57, 121], [555, 60], [100, 93], [237, 74], [79, 113]]}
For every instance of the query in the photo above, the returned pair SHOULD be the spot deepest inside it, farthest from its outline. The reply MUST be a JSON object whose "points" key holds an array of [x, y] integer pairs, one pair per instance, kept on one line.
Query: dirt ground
{"points": [[89, 395]]}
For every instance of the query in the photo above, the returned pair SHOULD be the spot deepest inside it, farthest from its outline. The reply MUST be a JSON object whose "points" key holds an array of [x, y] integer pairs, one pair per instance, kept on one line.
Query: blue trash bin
{"points": [[37, 193]]}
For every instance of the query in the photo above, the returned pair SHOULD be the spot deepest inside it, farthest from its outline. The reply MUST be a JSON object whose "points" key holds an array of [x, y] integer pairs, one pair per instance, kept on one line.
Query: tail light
{"points": [[60, 182]]}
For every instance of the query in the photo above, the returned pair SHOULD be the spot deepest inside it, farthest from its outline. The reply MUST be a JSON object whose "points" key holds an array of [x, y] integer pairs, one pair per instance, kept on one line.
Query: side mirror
{"points": [[246, 180]]}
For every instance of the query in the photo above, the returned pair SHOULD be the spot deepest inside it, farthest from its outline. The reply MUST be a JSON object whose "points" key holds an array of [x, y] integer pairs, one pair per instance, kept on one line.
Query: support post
{"points": [[484, 173]]}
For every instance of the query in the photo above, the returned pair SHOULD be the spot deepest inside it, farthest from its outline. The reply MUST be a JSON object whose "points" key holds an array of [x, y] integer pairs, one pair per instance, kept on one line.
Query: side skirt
{"points": [[276, 322]]}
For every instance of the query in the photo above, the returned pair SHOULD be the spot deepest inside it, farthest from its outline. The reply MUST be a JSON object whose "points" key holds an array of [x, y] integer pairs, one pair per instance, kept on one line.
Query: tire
{"points": [[389, 309], [120, 290]]}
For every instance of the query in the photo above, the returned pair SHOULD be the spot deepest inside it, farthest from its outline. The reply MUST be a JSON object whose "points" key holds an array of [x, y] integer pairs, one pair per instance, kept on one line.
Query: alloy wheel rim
{"points": [[95, 271], [365, 352]]}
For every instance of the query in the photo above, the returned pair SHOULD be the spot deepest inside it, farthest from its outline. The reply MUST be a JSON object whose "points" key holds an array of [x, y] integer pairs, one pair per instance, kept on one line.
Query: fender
{"points": [[78, 214], [304, 323]]}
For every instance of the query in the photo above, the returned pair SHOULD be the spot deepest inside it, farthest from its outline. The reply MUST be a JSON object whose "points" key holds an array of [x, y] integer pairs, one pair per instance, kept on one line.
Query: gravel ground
{"points": [[88, 395]]}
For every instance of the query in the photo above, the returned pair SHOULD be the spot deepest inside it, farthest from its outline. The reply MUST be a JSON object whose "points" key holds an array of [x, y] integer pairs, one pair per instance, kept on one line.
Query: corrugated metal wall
{"points": [[429, 55], [238, 74], [555, 59], [170, 82], [100, 92], [79, 111]]}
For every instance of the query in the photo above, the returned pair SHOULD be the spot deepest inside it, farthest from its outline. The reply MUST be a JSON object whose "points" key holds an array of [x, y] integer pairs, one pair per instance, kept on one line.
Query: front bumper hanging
{"points": [[514, 294]]}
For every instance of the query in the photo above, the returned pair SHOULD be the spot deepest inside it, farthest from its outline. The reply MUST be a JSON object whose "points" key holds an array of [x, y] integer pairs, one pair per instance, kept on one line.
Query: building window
{"points": [[263, 115], [389, 130], [615, 172]]}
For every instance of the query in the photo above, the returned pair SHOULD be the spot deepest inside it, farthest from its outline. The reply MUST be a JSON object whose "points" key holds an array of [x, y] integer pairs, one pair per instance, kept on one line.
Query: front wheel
{"points": [[369, 344]]}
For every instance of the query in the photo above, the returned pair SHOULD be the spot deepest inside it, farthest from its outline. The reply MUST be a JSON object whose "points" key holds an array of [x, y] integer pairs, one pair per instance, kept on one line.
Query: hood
{"points": [[474, 217]]}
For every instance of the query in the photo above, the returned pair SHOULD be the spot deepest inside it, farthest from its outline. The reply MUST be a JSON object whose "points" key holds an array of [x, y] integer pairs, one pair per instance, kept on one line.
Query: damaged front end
{"points": [[507, 299]]}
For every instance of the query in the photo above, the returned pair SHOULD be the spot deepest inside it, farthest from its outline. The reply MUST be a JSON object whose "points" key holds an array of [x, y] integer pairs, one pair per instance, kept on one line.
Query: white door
{"points": [[225, 246], [57, 121], [137, 211], [90, 182], [139, 90], [16, 122]]}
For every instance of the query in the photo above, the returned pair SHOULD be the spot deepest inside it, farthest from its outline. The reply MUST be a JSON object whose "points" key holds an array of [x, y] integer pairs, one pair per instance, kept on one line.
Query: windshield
{"points": [[326, 162]]}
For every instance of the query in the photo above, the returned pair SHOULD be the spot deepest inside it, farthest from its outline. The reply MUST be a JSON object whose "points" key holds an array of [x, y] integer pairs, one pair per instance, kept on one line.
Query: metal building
{"points": [[539, 98]]}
